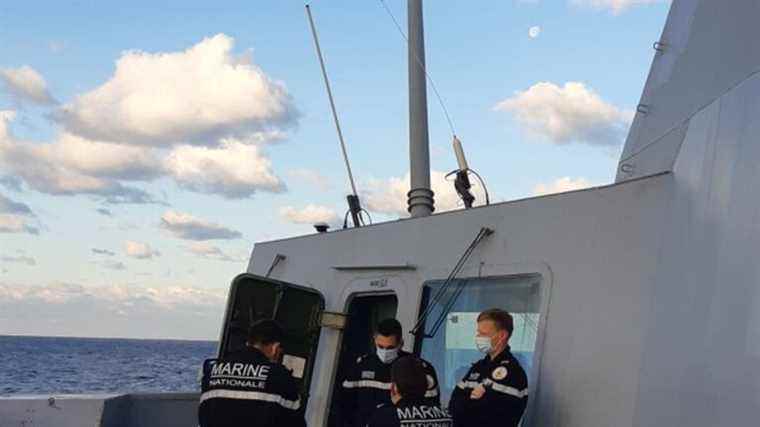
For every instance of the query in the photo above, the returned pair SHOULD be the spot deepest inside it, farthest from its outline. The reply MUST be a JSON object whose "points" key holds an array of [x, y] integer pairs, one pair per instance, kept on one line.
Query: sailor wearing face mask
{"points": [[368, 382], [494, 392]]}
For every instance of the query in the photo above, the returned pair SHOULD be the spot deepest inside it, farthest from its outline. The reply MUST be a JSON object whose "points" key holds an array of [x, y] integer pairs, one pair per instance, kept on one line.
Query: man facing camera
{"points": [[368, 381], [494, 392]]}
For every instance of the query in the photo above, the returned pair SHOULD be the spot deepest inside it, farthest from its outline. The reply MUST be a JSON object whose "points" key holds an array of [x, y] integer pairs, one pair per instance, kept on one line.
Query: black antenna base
{"points": [[462, 185], [355, 208]]}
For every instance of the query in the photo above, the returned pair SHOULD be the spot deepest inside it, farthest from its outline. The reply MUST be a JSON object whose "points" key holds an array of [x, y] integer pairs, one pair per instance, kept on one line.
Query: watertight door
{"points": [[297, 308]]}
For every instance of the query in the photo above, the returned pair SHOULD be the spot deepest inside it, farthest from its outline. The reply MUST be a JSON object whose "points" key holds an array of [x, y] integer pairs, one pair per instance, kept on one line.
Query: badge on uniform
{"points": [[368, 375], [499, 373], [474, 376], [431, 382]]}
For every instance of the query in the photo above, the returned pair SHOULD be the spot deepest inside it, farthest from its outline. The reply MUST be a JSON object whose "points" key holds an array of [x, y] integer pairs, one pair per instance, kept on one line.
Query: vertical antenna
{"points": [[353, 199], [420, 196]]}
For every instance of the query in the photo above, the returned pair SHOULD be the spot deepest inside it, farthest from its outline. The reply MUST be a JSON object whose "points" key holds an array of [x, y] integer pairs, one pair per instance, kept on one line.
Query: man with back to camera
{"points": [[494, 392], [368, 381], [409, 406], [251, 387]]}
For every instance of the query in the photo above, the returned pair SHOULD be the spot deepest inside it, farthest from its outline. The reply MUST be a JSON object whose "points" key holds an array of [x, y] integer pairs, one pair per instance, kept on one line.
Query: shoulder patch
{"points": [[430, 382], [499, 373]]}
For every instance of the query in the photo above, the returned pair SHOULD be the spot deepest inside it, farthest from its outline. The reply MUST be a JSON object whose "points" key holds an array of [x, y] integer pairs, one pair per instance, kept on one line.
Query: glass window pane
{"points": [[452, 349]]}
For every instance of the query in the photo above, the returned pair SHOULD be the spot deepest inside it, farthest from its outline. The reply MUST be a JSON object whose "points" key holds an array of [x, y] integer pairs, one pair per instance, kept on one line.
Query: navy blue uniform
{"points": [[368, 385], [409, 413], [246, 389], [505, 398]]}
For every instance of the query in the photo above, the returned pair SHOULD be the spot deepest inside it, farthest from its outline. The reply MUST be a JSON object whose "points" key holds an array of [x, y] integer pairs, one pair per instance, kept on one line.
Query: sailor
{"points": [[368, 381], [251, 387], [408, 406], [494, 392]]}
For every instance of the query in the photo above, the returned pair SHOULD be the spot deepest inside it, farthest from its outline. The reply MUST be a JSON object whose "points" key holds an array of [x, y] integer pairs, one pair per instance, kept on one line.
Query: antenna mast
{"points": [[420, 198], [353, 199]]}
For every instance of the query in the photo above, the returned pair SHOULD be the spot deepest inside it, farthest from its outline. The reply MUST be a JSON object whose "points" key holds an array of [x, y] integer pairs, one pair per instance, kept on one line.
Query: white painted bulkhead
{"points": [[596, 250]]}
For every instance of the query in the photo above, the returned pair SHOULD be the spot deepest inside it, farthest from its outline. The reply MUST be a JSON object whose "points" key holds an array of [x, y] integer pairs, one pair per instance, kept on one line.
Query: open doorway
{"points": [[364, 313]]}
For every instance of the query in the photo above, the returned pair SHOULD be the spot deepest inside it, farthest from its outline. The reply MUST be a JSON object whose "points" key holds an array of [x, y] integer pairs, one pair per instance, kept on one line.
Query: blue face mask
{"points": [[387, 355], [483, 344]]}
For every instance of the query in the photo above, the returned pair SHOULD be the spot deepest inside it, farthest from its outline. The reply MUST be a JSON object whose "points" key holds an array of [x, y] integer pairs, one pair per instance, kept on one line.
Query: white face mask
{"points": [[483, 344], [387, 355]]}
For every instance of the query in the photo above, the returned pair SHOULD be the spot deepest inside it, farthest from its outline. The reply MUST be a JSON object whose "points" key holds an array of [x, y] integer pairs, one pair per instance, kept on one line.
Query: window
{"points": [[253, 298], [452, 349]]}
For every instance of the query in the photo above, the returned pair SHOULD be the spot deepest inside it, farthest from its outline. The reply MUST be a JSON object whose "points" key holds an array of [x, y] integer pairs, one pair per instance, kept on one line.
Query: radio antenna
{"points": [[354, 205]]}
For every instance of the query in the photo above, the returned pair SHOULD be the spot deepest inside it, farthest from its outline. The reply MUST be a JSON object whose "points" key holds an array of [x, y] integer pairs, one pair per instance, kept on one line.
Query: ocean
{"points": [[99, 365]]}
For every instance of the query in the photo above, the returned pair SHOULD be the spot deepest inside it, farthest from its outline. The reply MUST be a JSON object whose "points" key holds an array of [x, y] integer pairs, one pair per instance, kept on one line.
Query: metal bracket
{"points": [[627, 168], [642, 109], [659, 46], [333, 320], [275, 261]]}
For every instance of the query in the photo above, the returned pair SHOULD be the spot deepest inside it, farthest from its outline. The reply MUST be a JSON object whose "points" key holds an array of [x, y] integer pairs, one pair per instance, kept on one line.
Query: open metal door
{"points": [[298, 309]]}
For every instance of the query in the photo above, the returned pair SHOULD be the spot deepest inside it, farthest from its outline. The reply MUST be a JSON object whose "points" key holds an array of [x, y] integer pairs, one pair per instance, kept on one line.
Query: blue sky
{"points": [[212, 122]]}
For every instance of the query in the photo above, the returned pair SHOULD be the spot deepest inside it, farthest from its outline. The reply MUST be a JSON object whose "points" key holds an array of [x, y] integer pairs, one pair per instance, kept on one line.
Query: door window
{"points": [[452, 349], [296, 308]]}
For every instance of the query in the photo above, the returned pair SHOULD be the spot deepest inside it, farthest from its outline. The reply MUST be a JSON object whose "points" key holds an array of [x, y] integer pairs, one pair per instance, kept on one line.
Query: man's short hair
{"points": [[500, 318], [390, 327], [408, 373], [265, 332]]}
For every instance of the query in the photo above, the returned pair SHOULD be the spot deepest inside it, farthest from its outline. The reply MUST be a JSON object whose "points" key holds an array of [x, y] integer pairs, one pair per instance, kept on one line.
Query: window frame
{"points": [[229, 310], [507, 271]]}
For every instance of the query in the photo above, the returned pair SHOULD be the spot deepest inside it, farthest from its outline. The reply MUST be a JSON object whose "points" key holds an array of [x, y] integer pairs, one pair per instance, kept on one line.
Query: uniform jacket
{"points": [[246, 389], [367, 385], [409, 413], [505, 398]]}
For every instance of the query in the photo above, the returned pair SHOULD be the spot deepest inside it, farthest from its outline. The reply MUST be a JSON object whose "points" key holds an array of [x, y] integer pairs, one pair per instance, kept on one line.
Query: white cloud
{"points": [[10, 207], [140, 250], [185, 226], [209, 251], [311, 214], [311, 177], [16, 217], [19, 259], [105, 252], [534, 32], [113, 265], [389, 196], [72, 165], [6, 117], [25, 84], [111, 311], [198, 95], [614, 6], [561, 185], [234, 170], [16, 224], [572, 113], [146, 121]]}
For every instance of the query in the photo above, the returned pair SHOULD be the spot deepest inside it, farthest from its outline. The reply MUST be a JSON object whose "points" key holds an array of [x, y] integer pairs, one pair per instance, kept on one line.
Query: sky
{"points": [[146, 146]]}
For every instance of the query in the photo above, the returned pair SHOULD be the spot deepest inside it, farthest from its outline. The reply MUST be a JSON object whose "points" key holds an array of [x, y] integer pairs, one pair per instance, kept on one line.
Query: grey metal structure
{"points": [[420, 197], [646, 291]]}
